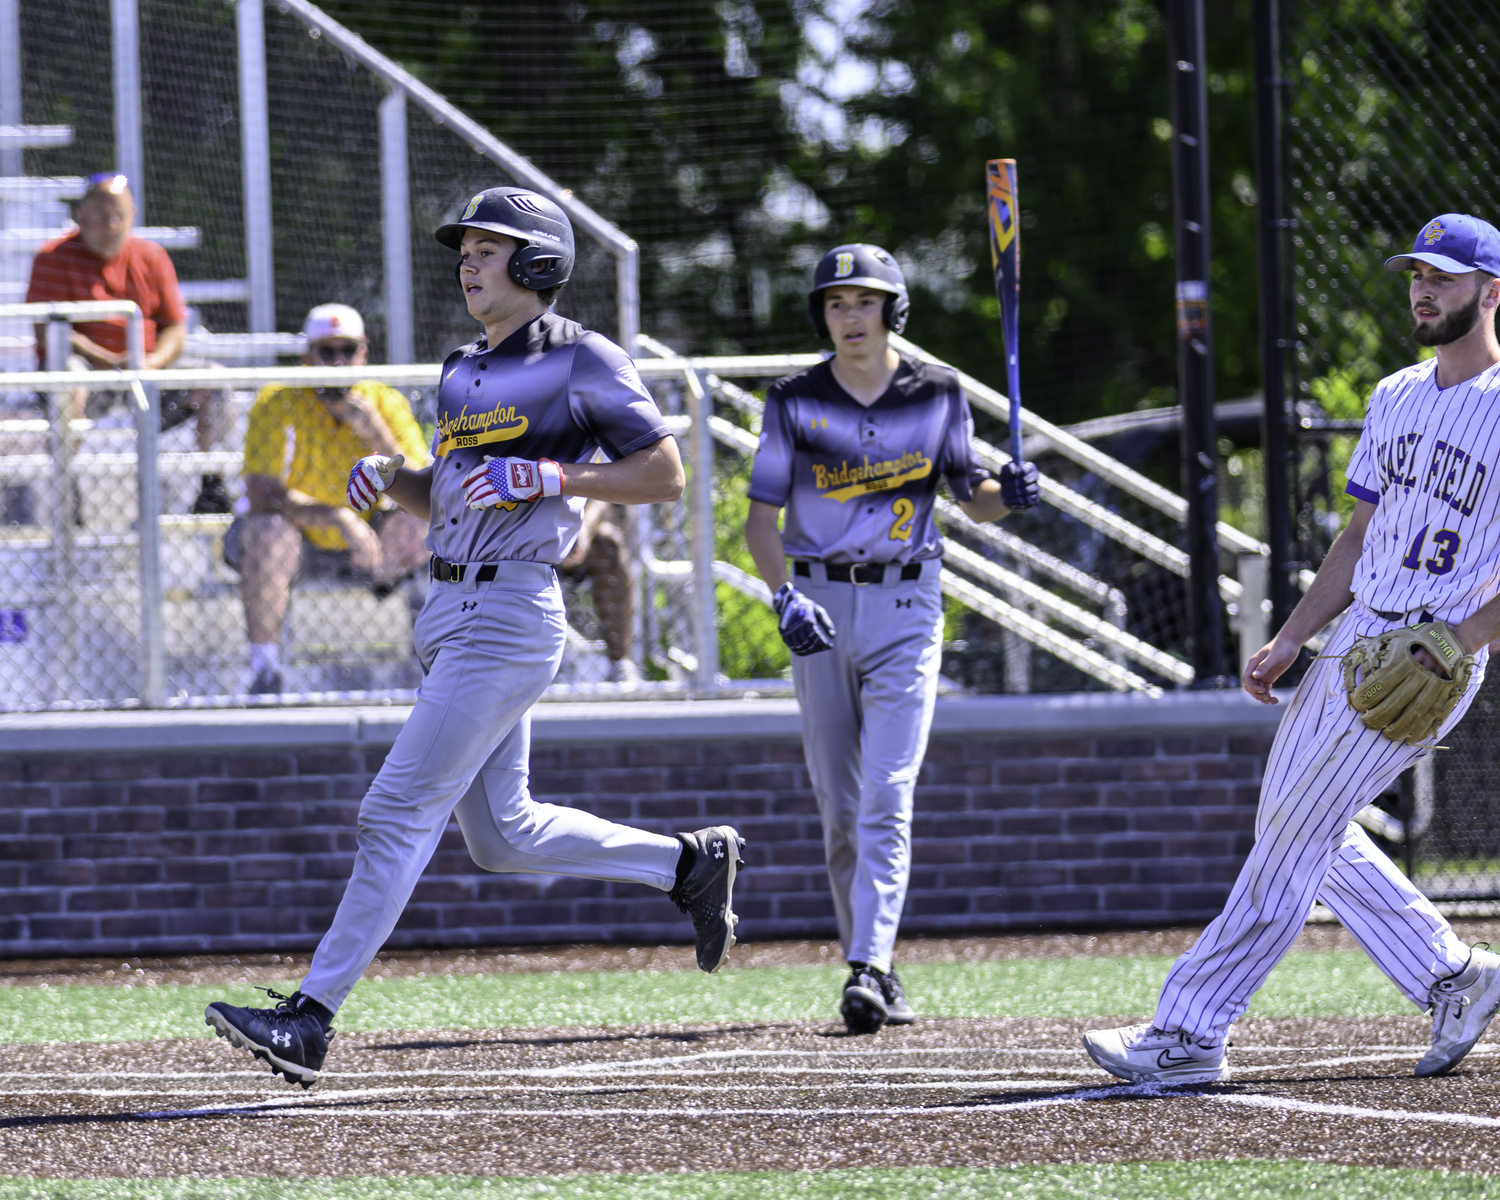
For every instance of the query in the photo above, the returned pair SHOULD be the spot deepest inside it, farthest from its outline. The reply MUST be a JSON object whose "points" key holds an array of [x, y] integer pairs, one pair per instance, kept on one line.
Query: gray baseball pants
{"points": [[866, 709], [489, 650]]}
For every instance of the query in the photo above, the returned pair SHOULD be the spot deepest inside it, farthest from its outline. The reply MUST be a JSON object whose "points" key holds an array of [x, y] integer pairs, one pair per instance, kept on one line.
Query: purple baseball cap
{"points": [[1456, 243]]}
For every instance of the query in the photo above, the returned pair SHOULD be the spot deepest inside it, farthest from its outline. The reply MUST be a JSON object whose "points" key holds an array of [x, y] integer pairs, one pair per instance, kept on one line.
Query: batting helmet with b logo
{"points": [[545, 257], [860, 265]]}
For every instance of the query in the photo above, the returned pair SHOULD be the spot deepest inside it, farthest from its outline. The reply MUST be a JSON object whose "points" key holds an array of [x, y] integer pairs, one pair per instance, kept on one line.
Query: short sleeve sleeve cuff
{"points": [[1360, 492]]}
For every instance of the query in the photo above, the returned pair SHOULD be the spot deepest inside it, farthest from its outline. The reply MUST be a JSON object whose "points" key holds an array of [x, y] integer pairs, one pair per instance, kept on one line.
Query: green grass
{"points": [[1304, 985], [1245, 1180]]}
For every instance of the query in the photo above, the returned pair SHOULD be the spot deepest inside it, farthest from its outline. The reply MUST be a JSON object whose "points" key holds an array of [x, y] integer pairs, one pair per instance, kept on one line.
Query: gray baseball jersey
{"points": [[552, 389], [858, 483]]}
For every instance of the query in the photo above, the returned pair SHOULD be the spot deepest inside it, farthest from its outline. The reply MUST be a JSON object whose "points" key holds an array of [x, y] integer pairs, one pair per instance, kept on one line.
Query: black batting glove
{"points": [[805, 626], [1019, 486]]}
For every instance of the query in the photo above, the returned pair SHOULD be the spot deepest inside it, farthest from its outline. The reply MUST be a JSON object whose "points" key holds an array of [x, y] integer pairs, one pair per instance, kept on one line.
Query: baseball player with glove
{"points": [[853, 449], [522, 413], [1418, 570]]}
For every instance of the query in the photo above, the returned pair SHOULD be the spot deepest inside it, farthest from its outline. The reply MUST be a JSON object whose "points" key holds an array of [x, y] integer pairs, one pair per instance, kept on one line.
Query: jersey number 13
{"points": [[1445, 544]]}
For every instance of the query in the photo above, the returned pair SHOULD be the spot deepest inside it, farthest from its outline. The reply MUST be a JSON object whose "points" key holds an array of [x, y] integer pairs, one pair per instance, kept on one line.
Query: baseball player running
{"points": [[1418, 570], [521, 414], [853, 449]]}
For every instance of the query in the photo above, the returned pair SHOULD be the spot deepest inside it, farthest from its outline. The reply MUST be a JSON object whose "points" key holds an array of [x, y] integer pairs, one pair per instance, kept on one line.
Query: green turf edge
{"points": [[1306, 984], [1235, 1180]]}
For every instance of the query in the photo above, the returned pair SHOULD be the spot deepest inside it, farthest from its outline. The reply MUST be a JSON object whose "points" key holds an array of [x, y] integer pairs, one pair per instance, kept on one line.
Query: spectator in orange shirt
{"points": [[101, 260]]}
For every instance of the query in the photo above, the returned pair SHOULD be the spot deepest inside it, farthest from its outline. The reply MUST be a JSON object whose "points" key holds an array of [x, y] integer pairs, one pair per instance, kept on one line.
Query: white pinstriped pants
{"points": [[1324, 767]]}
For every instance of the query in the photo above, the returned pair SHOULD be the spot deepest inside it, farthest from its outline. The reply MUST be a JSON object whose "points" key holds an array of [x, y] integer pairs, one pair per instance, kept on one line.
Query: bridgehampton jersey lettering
{"points": [[478, 429], [847, 481]]}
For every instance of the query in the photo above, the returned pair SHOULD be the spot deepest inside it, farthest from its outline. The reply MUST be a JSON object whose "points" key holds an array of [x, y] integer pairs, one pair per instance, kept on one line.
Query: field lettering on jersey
{"points": [[1451, 473]]}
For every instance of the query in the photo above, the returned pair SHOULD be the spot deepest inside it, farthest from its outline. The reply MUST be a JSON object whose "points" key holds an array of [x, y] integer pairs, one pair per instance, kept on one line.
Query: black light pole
{"points": [[1195, 357], [1275, 438]]}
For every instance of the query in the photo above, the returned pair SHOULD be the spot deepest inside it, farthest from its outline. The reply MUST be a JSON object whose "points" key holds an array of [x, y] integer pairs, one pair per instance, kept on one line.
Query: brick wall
{"points": [[214, 848]]}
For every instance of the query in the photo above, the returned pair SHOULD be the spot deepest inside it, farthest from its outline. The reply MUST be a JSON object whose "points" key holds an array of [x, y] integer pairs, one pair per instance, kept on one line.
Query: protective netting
{"points": [[1390, 121]]}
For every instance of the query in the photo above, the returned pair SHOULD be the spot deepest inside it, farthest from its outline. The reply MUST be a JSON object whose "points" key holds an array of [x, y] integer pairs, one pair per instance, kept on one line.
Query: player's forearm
{"points": [[987, 504], [1480, 628], [95, 354], [412, 490], [650, 476], [763, 540]]}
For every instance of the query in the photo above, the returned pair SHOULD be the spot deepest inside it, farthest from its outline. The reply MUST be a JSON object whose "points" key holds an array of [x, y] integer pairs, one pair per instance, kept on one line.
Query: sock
{"points": [[306, 1004], [684, 864], [265, 656]]}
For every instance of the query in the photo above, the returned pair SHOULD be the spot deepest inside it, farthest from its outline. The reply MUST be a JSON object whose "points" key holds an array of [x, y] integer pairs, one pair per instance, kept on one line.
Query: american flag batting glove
{"points": [[508, 480], [370, 476]]}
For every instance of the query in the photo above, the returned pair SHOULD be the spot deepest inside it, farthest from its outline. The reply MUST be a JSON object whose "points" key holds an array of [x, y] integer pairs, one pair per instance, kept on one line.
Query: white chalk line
{"points": [[1350, 1110]]}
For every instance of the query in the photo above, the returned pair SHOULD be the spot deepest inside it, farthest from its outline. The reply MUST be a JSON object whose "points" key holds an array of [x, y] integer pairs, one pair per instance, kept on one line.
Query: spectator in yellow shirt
{"points": [[299, 448]]}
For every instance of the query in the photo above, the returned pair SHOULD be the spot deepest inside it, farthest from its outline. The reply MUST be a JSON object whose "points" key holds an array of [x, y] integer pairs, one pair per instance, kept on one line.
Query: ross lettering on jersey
{"points": [[845, 482], [1455, 477], [478, 429]]}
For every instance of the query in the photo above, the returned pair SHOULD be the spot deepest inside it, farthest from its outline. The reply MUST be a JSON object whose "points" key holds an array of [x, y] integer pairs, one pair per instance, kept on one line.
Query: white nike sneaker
{"points": [[1462, 1006], [1146, 1054]]}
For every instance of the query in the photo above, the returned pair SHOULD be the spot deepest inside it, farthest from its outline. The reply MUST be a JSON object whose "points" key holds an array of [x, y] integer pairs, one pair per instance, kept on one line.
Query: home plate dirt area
{"points": [[985, 1092]]}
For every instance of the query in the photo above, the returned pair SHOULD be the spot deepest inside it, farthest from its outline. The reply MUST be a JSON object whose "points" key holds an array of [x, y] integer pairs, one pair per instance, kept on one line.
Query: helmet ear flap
{"points": [[815, 311], [894, 312], [556, 269]]}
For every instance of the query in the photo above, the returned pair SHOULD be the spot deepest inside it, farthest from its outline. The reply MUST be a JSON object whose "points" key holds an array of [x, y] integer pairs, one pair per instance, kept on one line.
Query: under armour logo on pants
{"points": [[467, 605], [903, 603]]}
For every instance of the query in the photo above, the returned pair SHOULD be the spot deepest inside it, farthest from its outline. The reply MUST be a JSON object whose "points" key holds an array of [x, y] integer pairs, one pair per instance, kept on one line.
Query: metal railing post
{"points": [[395, 205], [11, 157], [130, 154], [147, 410], [705, 612], [64, 614], [628, 298], [255, 149]]}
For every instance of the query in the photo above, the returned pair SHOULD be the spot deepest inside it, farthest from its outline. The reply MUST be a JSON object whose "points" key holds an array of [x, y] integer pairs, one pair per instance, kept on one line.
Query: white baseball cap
{"points": [[331, 321]]}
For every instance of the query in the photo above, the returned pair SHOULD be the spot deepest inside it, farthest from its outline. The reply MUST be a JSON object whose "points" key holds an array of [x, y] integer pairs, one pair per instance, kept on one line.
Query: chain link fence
{"points": [[1390, 120]]}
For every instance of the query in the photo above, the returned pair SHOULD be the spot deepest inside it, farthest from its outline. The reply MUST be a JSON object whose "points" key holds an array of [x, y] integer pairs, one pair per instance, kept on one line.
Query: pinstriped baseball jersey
{"points": [[1428, 460], [858, 483], [552, 389]]}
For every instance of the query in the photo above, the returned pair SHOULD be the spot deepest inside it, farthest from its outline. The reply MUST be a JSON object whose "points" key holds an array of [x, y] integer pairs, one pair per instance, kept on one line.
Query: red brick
{"points": [[230, 845], [48, 900], [802, 803], [334, 866], [1032, 875], [227, 792], [1197, 899], [129, 820], [349, 787], [49, 821], [124, 768], [60, 928], [259, 766], [593, 758], [196, 870], [1153, 769], [1093, 772], [198, 818], [481, 916], [301, 895], [666, 755], [126, 870], [546, 758], [1226, 768], [1138, 899], [189, 766], [1095, 874], [302, 790], [162, 845], [235, 895], [99, 900], [282, 866], [1257, 745], [1198, 845], [787, 752], [1073, 899], [70, 873], [1065, 849], [678, 807], [1062, 748], [300, 841], [27, 795], [737, 754], [1095, 822], [1235, 820], [89, 795], [698, 779], [1171, 871], [267, 816], [1064, 797], [34, 849], [96, 847], [972, 774], [131, 925], [159, 793], [1030, 823], [1013, 774], [179, 895], [441, 891], [55, 770], [188, 922], [329, 762], [813, 906], [1199, 743], [1005, 900], [1132, 848], [939, 905], [955, 825]]}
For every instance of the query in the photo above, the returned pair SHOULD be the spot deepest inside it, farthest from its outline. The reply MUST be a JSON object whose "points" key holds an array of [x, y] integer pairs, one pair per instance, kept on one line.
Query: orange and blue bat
{"points": [[1005, 257]]}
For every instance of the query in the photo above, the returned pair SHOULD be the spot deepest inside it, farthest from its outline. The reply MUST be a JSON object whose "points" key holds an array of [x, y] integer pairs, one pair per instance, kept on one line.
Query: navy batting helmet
{"points": [[545, 256], [860, 265]]}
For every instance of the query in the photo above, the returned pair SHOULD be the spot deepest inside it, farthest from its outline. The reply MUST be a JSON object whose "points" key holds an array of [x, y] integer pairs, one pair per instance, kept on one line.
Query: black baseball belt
{"points": [[447, 572], [857, 573]]}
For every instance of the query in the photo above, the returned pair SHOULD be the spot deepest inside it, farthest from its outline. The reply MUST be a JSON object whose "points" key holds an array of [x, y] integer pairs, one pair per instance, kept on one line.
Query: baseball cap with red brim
{"points": [[1454, 242]]}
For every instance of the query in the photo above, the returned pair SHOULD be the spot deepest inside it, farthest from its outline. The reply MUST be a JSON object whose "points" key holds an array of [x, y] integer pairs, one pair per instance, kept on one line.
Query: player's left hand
{"points": [[1020, 487], [506, 480], [805, 627]]}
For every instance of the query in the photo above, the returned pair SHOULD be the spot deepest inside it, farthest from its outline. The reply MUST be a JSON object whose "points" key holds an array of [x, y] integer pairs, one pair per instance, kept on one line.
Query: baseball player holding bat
{"points": [[1418, 571], [853, 449], [521, 414]]}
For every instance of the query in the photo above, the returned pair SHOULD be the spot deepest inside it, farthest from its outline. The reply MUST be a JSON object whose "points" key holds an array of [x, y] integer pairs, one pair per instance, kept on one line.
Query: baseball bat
{"points": [[1005, 257]]}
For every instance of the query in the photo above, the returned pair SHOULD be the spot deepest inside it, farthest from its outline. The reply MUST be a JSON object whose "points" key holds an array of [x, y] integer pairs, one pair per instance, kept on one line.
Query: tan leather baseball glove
{"points": [[1397, 695]]}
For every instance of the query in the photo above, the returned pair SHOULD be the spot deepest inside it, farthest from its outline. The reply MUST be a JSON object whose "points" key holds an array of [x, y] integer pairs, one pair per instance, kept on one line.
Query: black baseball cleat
{"points": [[292, 1038], [707, 892], [863, 1006], [898, 1010]]}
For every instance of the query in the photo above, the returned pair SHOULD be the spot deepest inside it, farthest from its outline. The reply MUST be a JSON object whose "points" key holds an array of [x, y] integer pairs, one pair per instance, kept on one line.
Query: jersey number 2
{"points": [[1445, 544], [903, 510]]}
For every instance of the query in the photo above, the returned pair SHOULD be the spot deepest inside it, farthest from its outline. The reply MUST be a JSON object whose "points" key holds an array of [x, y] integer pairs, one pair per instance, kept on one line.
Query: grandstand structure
{"points": [[113, 595]]}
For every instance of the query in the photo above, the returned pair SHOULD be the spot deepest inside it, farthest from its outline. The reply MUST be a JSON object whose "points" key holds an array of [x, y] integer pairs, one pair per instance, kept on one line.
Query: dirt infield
{"points": [[943, 1093]]}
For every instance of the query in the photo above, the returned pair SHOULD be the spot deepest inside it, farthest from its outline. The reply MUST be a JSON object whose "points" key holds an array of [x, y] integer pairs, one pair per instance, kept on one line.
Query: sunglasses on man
{"points": [[329, 352]]}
